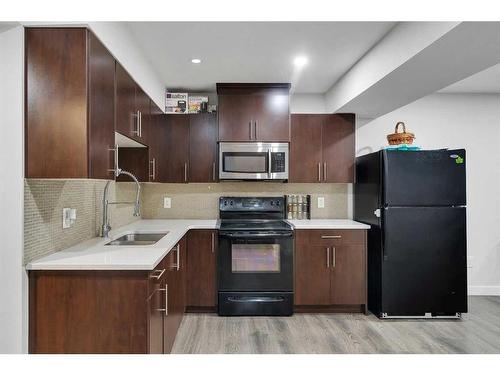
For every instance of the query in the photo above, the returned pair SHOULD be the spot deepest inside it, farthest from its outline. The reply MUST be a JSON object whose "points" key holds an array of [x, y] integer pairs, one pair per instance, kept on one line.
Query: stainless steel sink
{"points": [[137, 239]]}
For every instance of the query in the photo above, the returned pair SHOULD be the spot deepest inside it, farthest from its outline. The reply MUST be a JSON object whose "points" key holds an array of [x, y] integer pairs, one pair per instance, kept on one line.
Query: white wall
{"points": [[307, 103], [13, 286], [458, 121]]}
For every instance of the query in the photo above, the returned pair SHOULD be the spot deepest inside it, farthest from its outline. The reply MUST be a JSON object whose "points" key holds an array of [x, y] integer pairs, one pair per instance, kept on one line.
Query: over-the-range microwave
{"points": [[253, 161]]}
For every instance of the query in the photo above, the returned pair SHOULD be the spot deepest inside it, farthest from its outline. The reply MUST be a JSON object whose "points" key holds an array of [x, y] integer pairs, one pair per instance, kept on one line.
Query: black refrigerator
{"points": [[415, 203]]}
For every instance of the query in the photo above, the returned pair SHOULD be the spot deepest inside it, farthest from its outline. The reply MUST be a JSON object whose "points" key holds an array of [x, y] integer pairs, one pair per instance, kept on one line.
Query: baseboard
{"points": [[484, 290]]}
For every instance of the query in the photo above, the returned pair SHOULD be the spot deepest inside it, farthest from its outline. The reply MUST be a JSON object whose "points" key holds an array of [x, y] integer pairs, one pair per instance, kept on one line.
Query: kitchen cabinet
{"points": [[174, 158], [322, 148], [132, 106], [108, 311], [330, 270], [202, 147], [69, 127], [253, 112], [201, 270], [155, 142]]}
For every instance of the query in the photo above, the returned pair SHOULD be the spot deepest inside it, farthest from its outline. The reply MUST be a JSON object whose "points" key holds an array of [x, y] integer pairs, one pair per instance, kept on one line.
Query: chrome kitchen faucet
{"points": [[106, 228]]}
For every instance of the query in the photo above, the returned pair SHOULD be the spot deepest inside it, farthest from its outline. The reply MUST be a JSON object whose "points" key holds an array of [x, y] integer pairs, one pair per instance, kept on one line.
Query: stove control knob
{"points": [[231, 203], [225, 203], [277, 203]]}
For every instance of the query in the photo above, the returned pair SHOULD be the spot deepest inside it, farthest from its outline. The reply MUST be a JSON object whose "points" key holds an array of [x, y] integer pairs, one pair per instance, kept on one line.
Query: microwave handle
{"points": [[269, 163]]}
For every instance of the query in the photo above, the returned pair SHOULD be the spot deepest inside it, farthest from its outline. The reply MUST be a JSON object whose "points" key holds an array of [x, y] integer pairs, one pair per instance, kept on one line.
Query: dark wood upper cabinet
{"points": [[174, 132], [62, 115], [201, 269], [202, 147], [156, 139], [101, 109], [338, 148], [322, 148], [254, 112], [305, 148], [127, 111]]}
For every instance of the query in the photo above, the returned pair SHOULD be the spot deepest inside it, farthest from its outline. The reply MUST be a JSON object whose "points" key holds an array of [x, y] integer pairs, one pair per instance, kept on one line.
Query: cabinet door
{"points": [[169, 320], [155, 140], [202, 147], [126, 112], [175, 150], [201, 268], [348, 281], [56, 103], [272, 117], [305, 148], [312, 272], [101, 76], [236, 116], [338, 148], [156, 305], [142, 104]]}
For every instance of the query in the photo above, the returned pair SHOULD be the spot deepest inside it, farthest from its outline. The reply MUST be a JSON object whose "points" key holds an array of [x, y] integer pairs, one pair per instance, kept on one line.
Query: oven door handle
{"points": [[255, 235], [256, 299]]}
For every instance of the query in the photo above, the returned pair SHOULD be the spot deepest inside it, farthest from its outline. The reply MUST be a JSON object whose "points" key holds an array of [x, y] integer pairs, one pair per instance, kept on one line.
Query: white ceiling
{"points": [[254, 51], [484, 82]]}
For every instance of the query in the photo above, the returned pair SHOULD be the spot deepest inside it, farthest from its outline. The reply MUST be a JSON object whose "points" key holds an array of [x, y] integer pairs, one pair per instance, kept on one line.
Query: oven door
{"points": [[250, 261], [253, 161]]}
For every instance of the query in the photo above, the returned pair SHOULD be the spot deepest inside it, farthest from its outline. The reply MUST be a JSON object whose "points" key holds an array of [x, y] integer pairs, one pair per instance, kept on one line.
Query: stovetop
{"points": [[254, 225]]}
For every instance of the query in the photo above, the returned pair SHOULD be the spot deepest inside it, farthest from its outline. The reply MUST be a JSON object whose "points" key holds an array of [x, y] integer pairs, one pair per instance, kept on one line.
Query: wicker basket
{"points": [[397, 138]]}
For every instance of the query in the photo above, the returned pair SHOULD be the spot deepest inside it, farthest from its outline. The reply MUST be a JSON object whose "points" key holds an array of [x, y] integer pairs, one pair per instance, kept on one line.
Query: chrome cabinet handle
{"points": [[115, 160], [327, 257], [334, 256], [213, 171], [166, 299], [269, 163], [255, 130], [324, 172], [185, 172], [213, 243], [325, 237], [250, 130], [136, 130], [140, 124], [319, 172], [177, 265], [152, 163], [158, 275]]}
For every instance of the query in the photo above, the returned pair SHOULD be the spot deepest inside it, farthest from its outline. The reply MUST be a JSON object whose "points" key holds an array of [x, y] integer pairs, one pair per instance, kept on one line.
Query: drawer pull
{"points": [[326, 237], [159, 274]]}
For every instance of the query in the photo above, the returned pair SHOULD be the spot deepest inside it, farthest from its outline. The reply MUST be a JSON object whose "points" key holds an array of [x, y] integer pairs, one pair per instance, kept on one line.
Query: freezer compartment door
{"points": [[424, 178], [424, 261]]}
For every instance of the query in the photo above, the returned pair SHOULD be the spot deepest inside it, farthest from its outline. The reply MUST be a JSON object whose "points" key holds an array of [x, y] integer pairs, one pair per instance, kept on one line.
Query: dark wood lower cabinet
{"points": [[108, 311], [330, 270], [201, 270]]}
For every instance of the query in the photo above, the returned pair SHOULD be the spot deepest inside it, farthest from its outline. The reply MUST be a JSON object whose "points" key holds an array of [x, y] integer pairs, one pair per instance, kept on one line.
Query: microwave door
{"points": [[245, 165]]}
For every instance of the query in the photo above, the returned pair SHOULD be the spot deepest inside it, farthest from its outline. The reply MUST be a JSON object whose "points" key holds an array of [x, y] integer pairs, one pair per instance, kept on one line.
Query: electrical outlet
{"points": [[470, 260], [68, 217], [321, 202], [167, 202]]}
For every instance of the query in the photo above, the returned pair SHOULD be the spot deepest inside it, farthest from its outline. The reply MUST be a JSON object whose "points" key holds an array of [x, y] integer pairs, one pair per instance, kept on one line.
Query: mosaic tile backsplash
{"points": [[200, 201], [43, 203]]}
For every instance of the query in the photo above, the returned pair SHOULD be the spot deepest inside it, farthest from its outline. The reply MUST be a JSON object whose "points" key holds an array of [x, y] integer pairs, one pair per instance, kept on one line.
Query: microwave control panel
{"points": [[277, 162]]}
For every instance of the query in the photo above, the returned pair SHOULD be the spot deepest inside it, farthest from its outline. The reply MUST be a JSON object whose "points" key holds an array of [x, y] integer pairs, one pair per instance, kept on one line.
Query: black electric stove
{"points": [[255, 258]]}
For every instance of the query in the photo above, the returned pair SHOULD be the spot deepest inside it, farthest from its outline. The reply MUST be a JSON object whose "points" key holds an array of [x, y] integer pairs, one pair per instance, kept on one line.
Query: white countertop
{"points": [[94, 255], [327, 224]]}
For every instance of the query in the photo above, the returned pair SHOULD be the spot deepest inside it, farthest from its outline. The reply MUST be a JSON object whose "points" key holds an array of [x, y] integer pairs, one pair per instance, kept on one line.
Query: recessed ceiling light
{"points": [[300, 61], [196, 61]]}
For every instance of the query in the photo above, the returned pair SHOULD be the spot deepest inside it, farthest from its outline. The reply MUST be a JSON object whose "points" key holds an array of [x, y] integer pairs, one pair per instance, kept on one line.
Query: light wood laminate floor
{"points": [[477, 332]]}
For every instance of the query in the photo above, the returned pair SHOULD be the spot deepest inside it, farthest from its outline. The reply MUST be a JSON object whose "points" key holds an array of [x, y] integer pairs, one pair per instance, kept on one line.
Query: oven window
{"points": [[255, 257], [245, 162]]}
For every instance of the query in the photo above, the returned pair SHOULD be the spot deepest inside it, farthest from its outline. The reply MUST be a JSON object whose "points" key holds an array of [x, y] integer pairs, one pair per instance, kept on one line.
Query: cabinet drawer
{"points": [[331, 236]]}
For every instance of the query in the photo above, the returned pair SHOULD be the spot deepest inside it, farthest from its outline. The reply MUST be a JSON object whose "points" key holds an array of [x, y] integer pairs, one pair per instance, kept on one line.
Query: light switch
{"points": [[321, 202], [167, 202]]}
